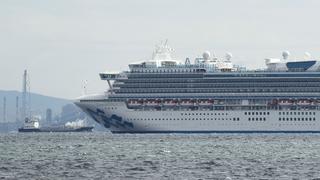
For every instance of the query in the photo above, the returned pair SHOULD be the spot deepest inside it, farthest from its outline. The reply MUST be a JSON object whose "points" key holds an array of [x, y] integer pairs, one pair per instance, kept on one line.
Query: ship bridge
{"points": [[112, 76]]}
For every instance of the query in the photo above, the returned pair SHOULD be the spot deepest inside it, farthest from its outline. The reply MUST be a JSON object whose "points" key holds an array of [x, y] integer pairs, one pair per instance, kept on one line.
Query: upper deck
{"points": [[210, 66]]}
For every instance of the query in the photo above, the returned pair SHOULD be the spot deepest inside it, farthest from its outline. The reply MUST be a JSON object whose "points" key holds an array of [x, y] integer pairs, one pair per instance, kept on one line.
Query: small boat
{"points": [[32, 125]]}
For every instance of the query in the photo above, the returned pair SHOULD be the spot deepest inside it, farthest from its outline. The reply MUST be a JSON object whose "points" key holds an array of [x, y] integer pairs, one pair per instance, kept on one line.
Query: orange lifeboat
{"points": [[303, 102], [285, 102], [170, 102], [134, 102], [205, 102], [187, 102], [152, 102], [313, 102]]}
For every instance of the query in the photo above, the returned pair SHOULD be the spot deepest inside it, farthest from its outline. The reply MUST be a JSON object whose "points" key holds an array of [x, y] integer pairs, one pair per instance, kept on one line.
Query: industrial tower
{"points": [[25, 111]]}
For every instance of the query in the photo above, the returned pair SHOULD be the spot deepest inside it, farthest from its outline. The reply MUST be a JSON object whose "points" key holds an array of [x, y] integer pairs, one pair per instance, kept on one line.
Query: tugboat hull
{"points": [[57, 129]]}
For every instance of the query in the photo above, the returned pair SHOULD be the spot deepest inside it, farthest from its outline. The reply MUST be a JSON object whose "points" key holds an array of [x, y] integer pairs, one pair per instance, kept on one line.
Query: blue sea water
{"points": [[159, 156]]}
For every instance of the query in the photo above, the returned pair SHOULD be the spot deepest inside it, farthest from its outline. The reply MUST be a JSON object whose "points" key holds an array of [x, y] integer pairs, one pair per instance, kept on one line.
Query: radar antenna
{"points": [[206, 55], [285, 55], [228, 56]]}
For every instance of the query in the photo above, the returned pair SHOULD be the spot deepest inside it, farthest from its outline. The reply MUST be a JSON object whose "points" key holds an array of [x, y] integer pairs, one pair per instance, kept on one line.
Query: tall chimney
{"points": [[24, 96]]}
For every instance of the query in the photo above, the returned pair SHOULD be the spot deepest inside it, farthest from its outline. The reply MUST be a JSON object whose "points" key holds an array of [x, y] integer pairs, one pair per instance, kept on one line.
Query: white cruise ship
{"points": [[211, 95]]}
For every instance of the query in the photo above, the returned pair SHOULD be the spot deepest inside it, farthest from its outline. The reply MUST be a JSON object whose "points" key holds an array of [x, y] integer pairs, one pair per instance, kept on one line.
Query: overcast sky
{"points": [[64, 42]]}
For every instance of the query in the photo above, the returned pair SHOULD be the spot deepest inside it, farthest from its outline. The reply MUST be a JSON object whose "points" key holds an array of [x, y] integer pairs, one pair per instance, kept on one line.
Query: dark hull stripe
{"points": [[84, 129], [194, 132]]}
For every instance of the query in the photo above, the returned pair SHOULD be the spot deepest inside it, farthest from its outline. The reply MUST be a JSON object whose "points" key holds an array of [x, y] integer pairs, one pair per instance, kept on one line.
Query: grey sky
{"points": [[64, 42]]}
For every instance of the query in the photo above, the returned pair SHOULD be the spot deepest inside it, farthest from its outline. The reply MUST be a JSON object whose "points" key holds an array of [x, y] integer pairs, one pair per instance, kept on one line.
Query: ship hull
{"points": [[82, 129], [118, 118]]}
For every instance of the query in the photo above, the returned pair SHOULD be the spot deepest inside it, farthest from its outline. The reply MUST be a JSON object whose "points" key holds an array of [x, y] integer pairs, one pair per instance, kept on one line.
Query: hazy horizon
{"points": [[63, 43]]}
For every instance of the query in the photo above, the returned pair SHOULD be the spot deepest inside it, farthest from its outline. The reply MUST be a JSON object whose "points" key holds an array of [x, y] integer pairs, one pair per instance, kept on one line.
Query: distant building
{"points": [[49, 115], [70, 112]]}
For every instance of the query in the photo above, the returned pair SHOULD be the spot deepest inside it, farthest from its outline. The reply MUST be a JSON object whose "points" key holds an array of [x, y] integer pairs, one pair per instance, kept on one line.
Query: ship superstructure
{"points": [[163, 95]]}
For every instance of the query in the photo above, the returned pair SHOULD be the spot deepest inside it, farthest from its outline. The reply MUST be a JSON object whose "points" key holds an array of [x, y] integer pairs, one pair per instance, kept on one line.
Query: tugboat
{"points": [[32, 125]]}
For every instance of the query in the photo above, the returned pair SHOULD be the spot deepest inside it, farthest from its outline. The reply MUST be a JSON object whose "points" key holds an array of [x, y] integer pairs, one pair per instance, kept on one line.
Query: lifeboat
{"points": [[274, 102], [152, 102], [205, 102], [303, 102], [187, 102], [169, 102], [134, 102], [314, 102], [285, 102]]}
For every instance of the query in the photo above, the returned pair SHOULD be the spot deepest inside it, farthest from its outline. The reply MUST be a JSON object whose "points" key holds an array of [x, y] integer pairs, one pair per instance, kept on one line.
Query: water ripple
{"points": [[156, 156]]}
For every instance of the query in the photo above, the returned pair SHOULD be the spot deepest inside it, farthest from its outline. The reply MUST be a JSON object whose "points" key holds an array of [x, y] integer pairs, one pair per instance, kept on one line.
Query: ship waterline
{"points": [[212, 95]]}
